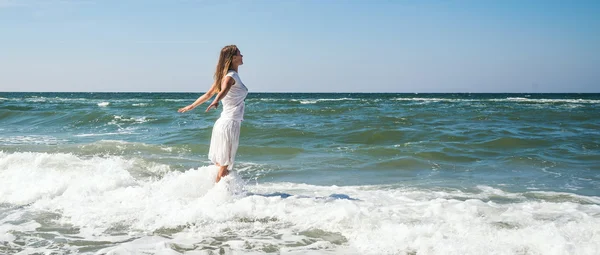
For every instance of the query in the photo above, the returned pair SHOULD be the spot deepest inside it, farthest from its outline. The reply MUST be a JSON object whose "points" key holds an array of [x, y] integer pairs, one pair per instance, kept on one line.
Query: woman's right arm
{"points": [[200, 100]]}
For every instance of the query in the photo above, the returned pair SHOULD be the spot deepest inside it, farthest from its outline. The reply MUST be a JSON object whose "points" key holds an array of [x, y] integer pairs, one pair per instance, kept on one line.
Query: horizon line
{"points": [[264, 92]]}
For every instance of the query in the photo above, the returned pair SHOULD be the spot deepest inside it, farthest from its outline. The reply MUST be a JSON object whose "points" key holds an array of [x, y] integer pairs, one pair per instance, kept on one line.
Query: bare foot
{"points": [[222, 173]]}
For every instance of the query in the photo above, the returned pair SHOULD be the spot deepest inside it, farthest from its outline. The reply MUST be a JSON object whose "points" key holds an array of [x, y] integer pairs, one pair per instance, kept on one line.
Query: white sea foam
{"points": [[121, 131], [36, 99], [307, 101], [186, 209], [31, 139], [508, 99], [103, 104], [129, 119], [572, 101], [8, 229], [268, 99], [314, 101], [433, 99], [103, 134], [122, 144], [82, 100]]}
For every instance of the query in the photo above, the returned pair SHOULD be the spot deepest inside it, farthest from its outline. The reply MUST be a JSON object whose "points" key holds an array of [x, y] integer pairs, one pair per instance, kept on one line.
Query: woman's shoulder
{"points": [[231, 73]]}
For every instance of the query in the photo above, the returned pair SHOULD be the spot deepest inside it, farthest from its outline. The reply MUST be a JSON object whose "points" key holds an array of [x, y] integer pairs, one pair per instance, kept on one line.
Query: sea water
{"points": [[125, 173]]}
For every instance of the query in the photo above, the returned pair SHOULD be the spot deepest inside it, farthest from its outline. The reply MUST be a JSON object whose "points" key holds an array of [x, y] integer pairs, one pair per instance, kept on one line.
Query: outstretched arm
{"points": [[225, 86], [200, 100]]}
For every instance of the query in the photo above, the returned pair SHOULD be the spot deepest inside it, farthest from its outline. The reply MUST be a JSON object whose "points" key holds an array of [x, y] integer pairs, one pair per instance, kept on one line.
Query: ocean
{"points": [[337, 173]]}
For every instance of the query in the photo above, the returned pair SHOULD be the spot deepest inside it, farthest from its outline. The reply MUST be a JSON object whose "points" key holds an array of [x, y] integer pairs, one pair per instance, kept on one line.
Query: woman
{"points": [[232, 92]]}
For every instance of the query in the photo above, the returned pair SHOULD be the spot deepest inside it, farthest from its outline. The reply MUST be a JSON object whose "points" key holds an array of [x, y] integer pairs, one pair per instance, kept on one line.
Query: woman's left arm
{"points": [[225, 86]]}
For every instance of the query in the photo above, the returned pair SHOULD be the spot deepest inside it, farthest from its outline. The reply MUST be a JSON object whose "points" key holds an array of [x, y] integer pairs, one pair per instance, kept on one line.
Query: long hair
{"points": [[223, 65]]}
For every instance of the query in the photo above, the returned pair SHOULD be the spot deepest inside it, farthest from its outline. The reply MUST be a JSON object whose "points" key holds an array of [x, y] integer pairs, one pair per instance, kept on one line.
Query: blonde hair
{"points": [[223, 65]]}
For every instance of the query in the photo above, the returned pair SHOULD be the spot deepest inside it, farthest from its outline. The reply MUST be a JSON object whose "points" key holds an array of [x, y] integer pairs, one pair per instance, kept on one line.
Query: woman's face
{"points": [[238, 58]]}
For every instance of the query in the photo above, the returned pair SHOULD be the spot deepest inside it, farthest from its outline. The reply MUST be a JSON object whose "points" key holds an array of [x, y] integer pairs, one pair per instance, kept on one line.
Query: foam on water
{"points": [[508, 99], [31, 139], [77, 100], [103, 200], [544, 100], [103, 104], [122, 146], [130, 130], [104, 134], [118, 118], [177, 100], [314, 101]]}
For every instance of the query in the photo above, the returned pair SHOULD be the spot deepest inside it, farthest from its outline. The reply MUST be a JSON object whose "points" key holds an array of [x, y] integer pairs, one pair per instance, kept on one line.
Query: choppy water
{"points": [[119, 173]]}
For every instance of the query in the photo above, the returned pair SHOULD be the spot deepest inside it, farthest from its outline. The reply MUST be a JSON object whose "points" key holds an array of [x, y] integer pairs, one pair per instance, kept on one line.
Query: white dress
{"points": [[226, 131]]}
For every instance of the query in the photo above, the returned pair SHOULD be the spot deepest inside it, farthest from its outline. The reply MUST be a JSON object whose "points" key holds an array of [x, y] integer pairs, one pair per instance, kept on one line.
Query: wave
{"points": [[101, 119], [191, 100], [121, 132], [508, 99], [314, 101], [76, 103], [118, 147], [32, 139], [324, 111], [302, 100], [131, 119], [541, 100], [99, 204]]}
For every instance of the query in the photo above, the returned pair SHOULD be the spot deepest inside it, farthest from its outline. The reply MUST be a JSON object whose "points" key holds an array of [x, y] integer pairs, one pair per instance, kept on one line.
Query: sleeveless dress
{"points": [[226, 131]]}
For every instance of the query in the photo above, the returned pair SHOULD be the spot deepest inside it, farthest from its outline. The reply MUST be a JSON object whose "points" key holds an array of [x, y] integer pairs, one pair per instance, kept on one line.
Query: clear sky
{"points": [[301, 45]]}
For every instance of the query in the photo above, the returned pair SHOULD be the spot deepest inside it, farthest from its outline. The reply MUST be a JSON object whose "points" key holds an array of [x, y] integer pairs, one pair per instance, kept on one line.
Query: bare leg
{"points": [[222, 173]]}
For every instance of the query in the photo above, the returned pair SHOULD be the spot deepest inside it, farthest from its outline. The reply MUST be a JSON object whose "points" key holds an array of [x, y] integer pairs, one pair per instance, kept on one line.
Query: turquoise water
{"points": [[102, 167]]}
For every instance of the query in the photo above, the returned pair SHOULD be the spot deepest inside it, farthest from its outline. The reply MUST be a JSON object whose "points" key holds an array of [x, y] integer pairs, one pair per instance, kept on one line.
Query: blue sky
{"points": [[301, 45]]}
